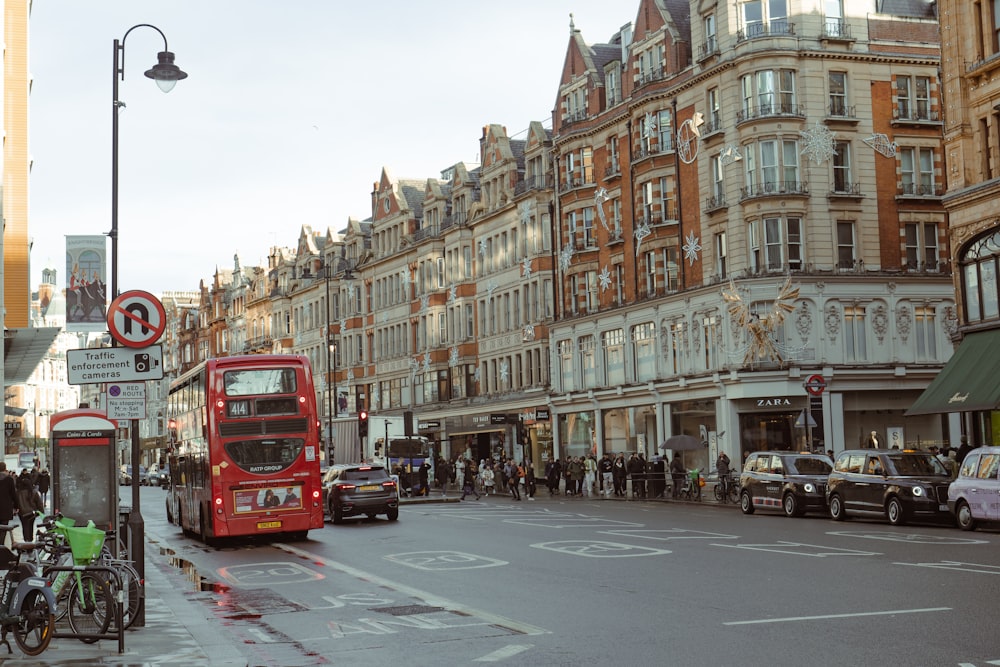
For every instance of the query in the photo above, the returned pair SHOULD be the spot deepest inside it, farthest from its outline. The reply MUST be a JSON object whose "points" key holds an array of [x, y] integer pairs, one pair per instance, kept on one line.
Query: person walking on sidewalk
{"points": [[604, 467], [8, 501], [29, 503], [553, 471], [637, 471], [43, 484], [618, 473], [677, 473], [489, 479], [529, 479], [469, 486], [513, 480], [589, 475]]}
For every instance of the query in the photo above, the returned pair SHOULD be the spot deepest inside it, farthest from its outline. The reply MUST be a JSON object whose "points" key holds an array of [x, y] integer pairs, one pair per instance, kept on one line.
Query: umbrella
{"points": [[682, 443]]}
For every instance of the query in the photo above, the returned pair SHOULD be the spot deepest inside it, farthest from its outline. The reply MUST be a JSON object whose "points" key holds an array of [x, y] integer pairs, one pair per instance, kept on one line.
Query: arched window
{"points": [[978, 264]]}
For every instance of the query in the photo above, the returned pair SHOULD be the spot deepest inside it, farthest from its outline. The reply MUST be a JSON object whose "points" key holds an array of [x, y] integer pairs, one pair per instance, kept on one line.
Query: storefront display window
{"points": [[576, 431], [629, 430], [697, 419]]}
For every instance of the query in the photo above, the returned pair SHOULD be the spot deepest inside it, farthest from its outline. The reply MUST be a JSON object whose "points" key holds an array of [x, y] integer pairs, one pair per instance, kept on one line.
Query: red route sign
{"points": [[136, 319], [815, 384]]}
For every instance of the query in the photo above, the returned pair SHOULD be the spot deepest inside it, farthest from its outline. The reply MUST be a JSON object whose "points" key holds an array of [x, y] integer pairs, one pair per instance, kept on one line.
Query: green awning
{"points": [[970, 381]]}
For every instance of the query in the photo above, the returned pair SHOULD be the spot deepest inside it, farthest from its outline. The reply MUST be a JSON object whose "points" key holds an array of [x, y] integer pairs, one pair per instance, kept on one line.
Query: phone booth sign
{"points": [[84, 482]]}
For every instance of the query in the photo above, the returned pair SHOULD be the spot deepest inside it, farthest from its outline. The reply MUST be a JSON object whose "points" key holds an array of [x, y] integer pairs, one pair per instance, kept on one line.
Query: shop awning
{"points": [[968, 382], [23, 349]]}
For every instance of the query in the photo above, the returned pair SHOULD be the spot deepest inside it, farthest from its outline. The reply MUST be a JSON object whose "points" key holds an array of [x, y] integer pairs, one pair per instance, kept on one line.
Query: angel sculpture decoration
{"points": [[760, 329]]}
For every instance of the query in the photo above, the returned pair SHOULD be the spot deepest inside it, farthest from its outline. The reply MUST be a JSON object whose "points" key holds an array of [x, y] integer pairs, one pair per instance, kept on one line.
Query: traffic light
{"points": [[363, 424]]}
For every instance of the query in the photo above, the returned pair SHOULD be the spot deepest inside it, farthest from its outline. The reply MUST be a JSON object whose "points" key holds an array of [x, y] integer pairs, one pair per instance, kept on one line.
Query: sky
{"points": [[289, 114]]}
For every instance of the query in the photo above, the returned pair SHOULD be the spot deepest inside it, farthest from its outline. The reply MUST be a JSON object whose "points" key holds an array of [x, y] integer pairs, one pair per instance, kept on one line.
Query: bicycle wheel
{"points": [[36, 625], [734, 493], [719, 495], [131, 587], [91, 606]]}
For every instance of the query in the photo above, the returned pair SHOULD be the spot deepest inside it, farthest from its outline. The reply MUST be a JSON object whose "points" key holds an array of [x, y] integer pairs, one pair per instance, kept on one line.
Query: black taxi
{"points": [[898, 484], [794, 482]]}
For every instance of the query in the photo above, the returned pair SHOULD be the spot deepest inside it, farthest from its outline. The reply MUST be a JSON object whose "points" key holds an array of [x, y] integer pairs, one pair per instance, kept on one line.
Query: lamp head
{"points": [[165, 72]]}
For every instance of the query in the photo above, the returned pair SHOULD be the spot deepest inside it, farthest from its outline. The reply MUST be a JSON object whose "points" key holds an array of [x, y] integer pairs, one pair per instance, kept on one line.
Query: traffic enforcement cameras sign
{"points": [[115, 364]]}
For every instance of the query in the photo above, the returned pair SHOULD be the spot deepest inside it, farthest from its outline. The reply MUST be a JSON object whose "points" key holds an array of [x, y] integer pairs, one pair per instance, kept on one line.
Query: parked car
{"points": [[163, 477], [794, 482], [974, 496], [125, 475], [353, 490], [899, 484]]}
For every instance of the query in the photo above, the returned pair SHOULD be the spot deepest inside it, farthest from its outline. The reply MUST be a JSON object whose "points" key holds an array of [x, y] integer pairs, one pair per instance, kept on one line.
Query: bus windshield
{"points": [[259, 381]]}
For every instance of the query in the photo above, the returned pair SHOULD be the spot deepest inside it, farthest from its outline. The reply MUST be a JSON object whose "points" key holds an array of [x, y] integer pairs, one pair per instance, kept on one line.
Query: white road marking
{"points": [[504, 653], [429, 598], [444, 560], [909, 538], [799, 549], [793, 619], [599, 549], [668, 534], [956, 565]]}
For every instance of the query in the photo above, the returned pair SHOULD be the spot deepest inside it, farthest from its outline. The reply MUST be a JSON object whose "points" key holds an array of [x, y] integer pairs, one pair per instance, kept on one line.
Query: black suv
{"points": [[899, 484], [795, 482], [352, 490]]}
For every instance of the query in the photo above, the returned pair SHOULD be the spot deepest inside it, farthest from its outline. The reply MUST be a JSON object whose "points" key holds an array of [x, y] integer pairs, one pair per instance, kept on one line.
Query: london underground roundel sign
{"points": [[815, 384]]}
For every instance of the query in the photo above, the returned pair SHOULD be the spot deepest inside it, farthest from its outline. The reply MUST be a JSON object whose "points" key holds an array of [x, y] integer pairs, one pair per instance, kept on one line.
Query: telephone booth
{"points": [[84, 479]]}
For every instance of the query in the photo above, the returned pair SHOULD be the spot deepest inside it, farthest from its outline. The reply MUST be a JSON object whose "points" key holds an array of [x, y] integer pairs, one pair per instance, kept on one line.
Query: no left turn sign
{"points": [[136, 319]]}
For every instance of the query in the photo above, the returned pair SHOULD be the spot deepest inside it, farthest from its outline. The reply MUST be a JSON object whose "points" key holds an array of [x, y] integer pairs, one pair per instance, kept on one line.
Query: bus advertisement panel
{"points": [[245, 438]]}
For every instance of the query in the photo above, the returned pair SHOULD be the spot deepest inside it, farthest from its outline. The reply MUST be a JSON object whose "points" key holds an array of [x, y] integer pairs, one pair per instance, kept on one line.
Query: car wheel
{"points": [[746, 503], [837, 512], [790, 505], [336, 513], [964, 516], [894, 512], [392, 514], [170, 513]]}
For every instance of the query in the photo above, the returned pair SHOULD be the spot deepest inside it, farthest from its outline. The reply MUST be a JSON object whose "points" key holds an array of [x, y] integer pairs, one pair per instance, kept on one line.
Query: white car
{"points": [[974, 497]]}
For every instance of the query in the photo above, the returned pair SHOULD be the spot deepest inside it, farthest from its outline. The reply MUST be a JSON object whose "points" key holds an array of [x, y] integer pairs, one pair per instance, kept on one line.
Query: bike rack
{"points": [[119, 631]]}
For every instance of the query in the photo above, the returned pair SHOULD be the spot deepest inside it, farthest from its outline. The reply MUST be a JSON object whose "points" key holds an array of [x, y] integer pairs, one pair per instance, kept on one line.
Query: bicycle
{"points": [[26, 603], [85, 599], [691, 490], [726, 490], [132, 592]]}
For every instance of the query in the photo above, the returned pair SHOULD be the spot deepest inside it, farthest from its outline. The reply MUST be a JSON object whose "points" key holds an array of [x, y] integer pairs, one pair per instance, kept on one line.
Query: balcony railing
{"points": [[846, 190], [715, 203], [773, 188], [770, 110], [531, 183], [646, 150], [426, 233], [906, 113], [778, 28], [575, 182], [649, 76], [838, 109], [919, 189], [836, 29], [612, 170], [708, 49], [713, 123]]}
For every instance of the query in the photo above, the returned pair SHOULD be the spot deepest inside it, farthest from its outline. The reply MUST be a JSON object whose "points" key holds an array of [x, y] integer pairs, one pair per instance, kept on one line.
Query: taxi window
{"points": [[763, 463], [874, 466], [988, 466], [751, 464], [850, 463], [969, 466], [777, 466], [809, 465]]}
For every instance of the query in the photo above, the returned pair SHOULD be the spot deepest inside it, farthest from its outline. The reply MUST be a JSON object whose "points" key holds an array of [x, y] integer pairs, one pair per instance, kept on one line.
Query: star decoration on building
{"points": [[425, 302], [880, 142], [691, 248], [526, 209], [526, 267], [641, 232], [414, 365], [529, 332], [427, 363], [491, 287], [482, 247], [729, 155], [761, 329], [504, 371], [350, 374], [565, 256], [600, 197], [405, 278], [453, 356], [477, 374], [648, 126], [452, 292], [343, 324], [605, 278], [819, 143]]}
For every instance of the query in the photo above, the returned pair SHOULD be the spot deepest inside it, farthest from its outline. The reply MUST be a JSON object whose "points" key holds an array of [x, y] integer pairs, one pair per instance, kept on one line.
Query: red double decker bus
{"points": [[245, 457]]}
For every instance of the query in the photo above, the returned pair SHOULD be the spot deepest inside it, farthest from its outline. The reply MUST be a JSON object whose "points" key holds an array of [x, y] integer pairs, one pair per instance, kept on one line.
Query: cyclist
{"points": [[722, 466]]}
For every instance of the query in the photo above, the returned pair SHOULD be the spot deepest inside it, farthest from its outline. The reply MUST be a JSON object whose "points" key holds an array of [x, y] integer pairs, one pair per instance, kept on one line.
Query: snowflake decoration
{"points": [[427, 363], [452, 292], [820, 146], [526, 209], [425, 302], [691, 248], [880, 142], [414, 365], [641, 232], [565, 256], [453, 356], [605, 278], [350, 375], [343, 324], [406, 278], [477, 374], [529, 332], [600, 197], [482, 247], [491, 287], [385, 316], [648, 126], [504, 371], [729, 155], [526, 267]]}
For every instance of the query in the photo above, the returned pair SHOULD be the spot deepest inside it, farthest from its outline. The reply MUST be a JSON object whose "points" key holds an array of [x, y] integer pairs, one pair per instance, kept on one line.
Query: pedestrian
{"points": [[469, 486], [963, 450], [589, 475], [43, 484], [658, 480], [637, 471], [489, 479], [460, 472], [722, 467], [423, 474], [29, 503], [604, 467], [553, 471], [576, 475], [529, 480], [8, 501], [677, 473], [618, 475], [513, 480]]}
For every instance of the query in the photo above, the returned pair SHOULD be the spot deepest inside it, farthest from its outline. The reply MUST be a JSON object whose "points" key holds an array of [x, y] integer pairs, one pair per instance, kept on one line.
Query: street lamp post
{"points": [[331, 354], [166, 74]]}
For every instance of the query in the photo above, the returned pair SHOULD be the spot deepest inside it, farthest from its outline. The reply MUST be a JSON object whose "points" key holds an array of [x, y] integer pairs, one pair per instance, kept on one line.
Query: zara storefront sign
{"points": [[774, 402]]}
